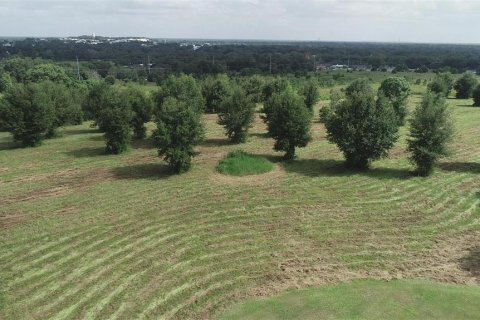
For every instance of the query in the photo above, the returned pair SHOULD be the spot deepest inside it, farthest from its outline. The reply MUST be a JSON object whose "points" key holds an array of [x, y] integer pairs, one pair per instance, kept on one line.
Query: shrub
{"points": [[179, 129], [441, 84], [465, 85], [236, 115], [288, 122], [476, 96], [430, 129], [27, 112], [142, 106], [396, 90], [363, 128], [239, 163], [311, 94]]}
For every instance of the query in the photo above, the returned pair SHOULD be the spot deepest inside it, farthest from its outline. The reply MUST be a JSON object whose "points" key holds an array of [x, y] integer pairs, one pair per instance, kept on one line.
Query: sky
{"points": [[432, 21]]}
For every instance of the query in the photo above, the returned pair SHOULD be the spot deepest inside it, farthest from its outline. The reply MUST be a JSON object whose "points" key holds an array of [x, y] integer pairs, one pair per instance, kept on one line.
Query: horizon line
{"points": [[246, 39]]}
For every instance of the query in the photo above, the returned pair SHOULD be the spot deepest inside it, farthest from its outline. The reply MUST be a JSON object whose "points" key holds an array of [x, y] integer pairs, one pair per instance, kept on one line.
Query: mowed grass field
{"points": [[365, 299], [89, 235]]}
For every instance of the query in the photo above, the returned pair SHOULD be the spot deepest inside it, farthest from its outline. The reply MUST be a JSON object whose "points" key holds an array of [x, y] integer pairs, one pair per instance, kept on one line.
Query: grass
{"points": [[367, 299], [239, 163], [89, 235]]}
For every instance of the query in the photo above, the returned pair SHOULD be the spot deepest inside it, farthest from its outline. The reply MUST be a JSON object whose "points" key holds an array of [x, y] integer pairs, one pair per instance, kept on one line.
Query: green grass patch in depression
{"points": [[240, 163], [366, 299]]}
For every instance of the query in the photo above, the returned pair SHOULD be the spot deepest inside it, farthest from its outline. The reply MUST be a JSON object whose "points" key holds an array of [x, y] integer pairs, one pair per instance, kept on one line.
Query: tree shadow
{"points": [[471, 262], [87, 152], [151, 171], [330, 168], [10, 145], [96, 138], [467, 106], [143, 144], [260, 135], [79, 131], [465, 167], [271, 157], [216, 142]]}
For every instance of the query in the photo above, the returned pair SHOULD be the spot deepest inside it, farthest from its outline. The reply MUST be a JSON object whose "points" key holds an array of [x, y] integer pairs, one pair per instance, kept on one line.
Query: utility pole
{"points": [[314, 63], [78, 69]]}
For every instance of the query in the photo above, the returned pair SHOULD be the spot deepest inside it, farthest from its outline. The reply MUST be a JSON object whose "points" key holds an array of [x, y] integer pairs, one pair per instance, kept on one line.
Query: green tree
{"points": [[66, 103], [215, 89], [18, 67], [27, 112], [431, 128], [179, 130], [5, 82], [253, 87], [236, 115], [441, 84], [110, 80], [183, 88], [364, 128], [311, 94], [476, 96], [92, 104], [465, 85], [114, 119], [288, 122], [273, 86], [396, 90], [141, 104], [48, 72]]}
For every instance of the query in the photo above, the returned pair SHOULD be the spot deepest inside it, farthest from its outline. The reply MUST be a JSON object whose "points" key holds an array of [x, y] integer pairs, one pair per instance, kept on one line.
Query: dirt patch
{"points": [[13, 220], [452, 260], [63, 174], [63, 183]]}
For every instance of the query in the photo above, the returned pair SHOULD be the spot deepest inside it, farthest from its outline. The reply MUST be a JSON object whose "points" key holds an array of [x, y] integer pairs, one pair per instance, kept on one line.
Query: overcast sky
{"points": [[446, 21]]}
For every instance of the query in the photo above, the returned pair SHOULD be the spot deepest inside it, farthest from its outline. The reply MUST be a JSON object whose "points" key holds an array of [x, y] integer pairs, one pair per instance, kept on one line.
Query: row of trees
{"points": [[363, 124], [33, 111], [365, 127], [467, 86]]}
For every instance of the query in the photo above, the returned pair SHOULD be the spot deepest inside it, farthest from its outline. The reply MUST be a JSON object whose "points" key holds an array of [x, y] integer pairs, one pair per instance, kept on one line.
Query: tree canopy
{"points": [[363, 128], [288, 122]]}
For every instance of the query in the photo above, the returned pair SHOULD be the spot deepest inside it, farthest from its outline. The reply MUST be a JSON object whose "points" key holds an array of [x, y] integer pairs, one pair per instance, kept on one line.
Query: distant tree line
{"points": [[247, 58]]}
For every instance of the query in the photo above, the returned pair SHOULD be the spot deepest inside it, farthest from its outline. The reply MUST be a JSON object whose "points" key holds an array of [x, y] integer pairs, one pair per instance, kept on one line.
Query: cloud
{"points": [[381, 20]]}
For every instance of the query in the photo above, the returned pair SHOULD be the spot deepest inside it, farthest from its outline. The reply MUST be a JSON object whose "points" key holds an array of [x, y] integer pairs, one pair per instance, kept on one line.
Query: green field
{"points": [[89, 235], [367, 299]]}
